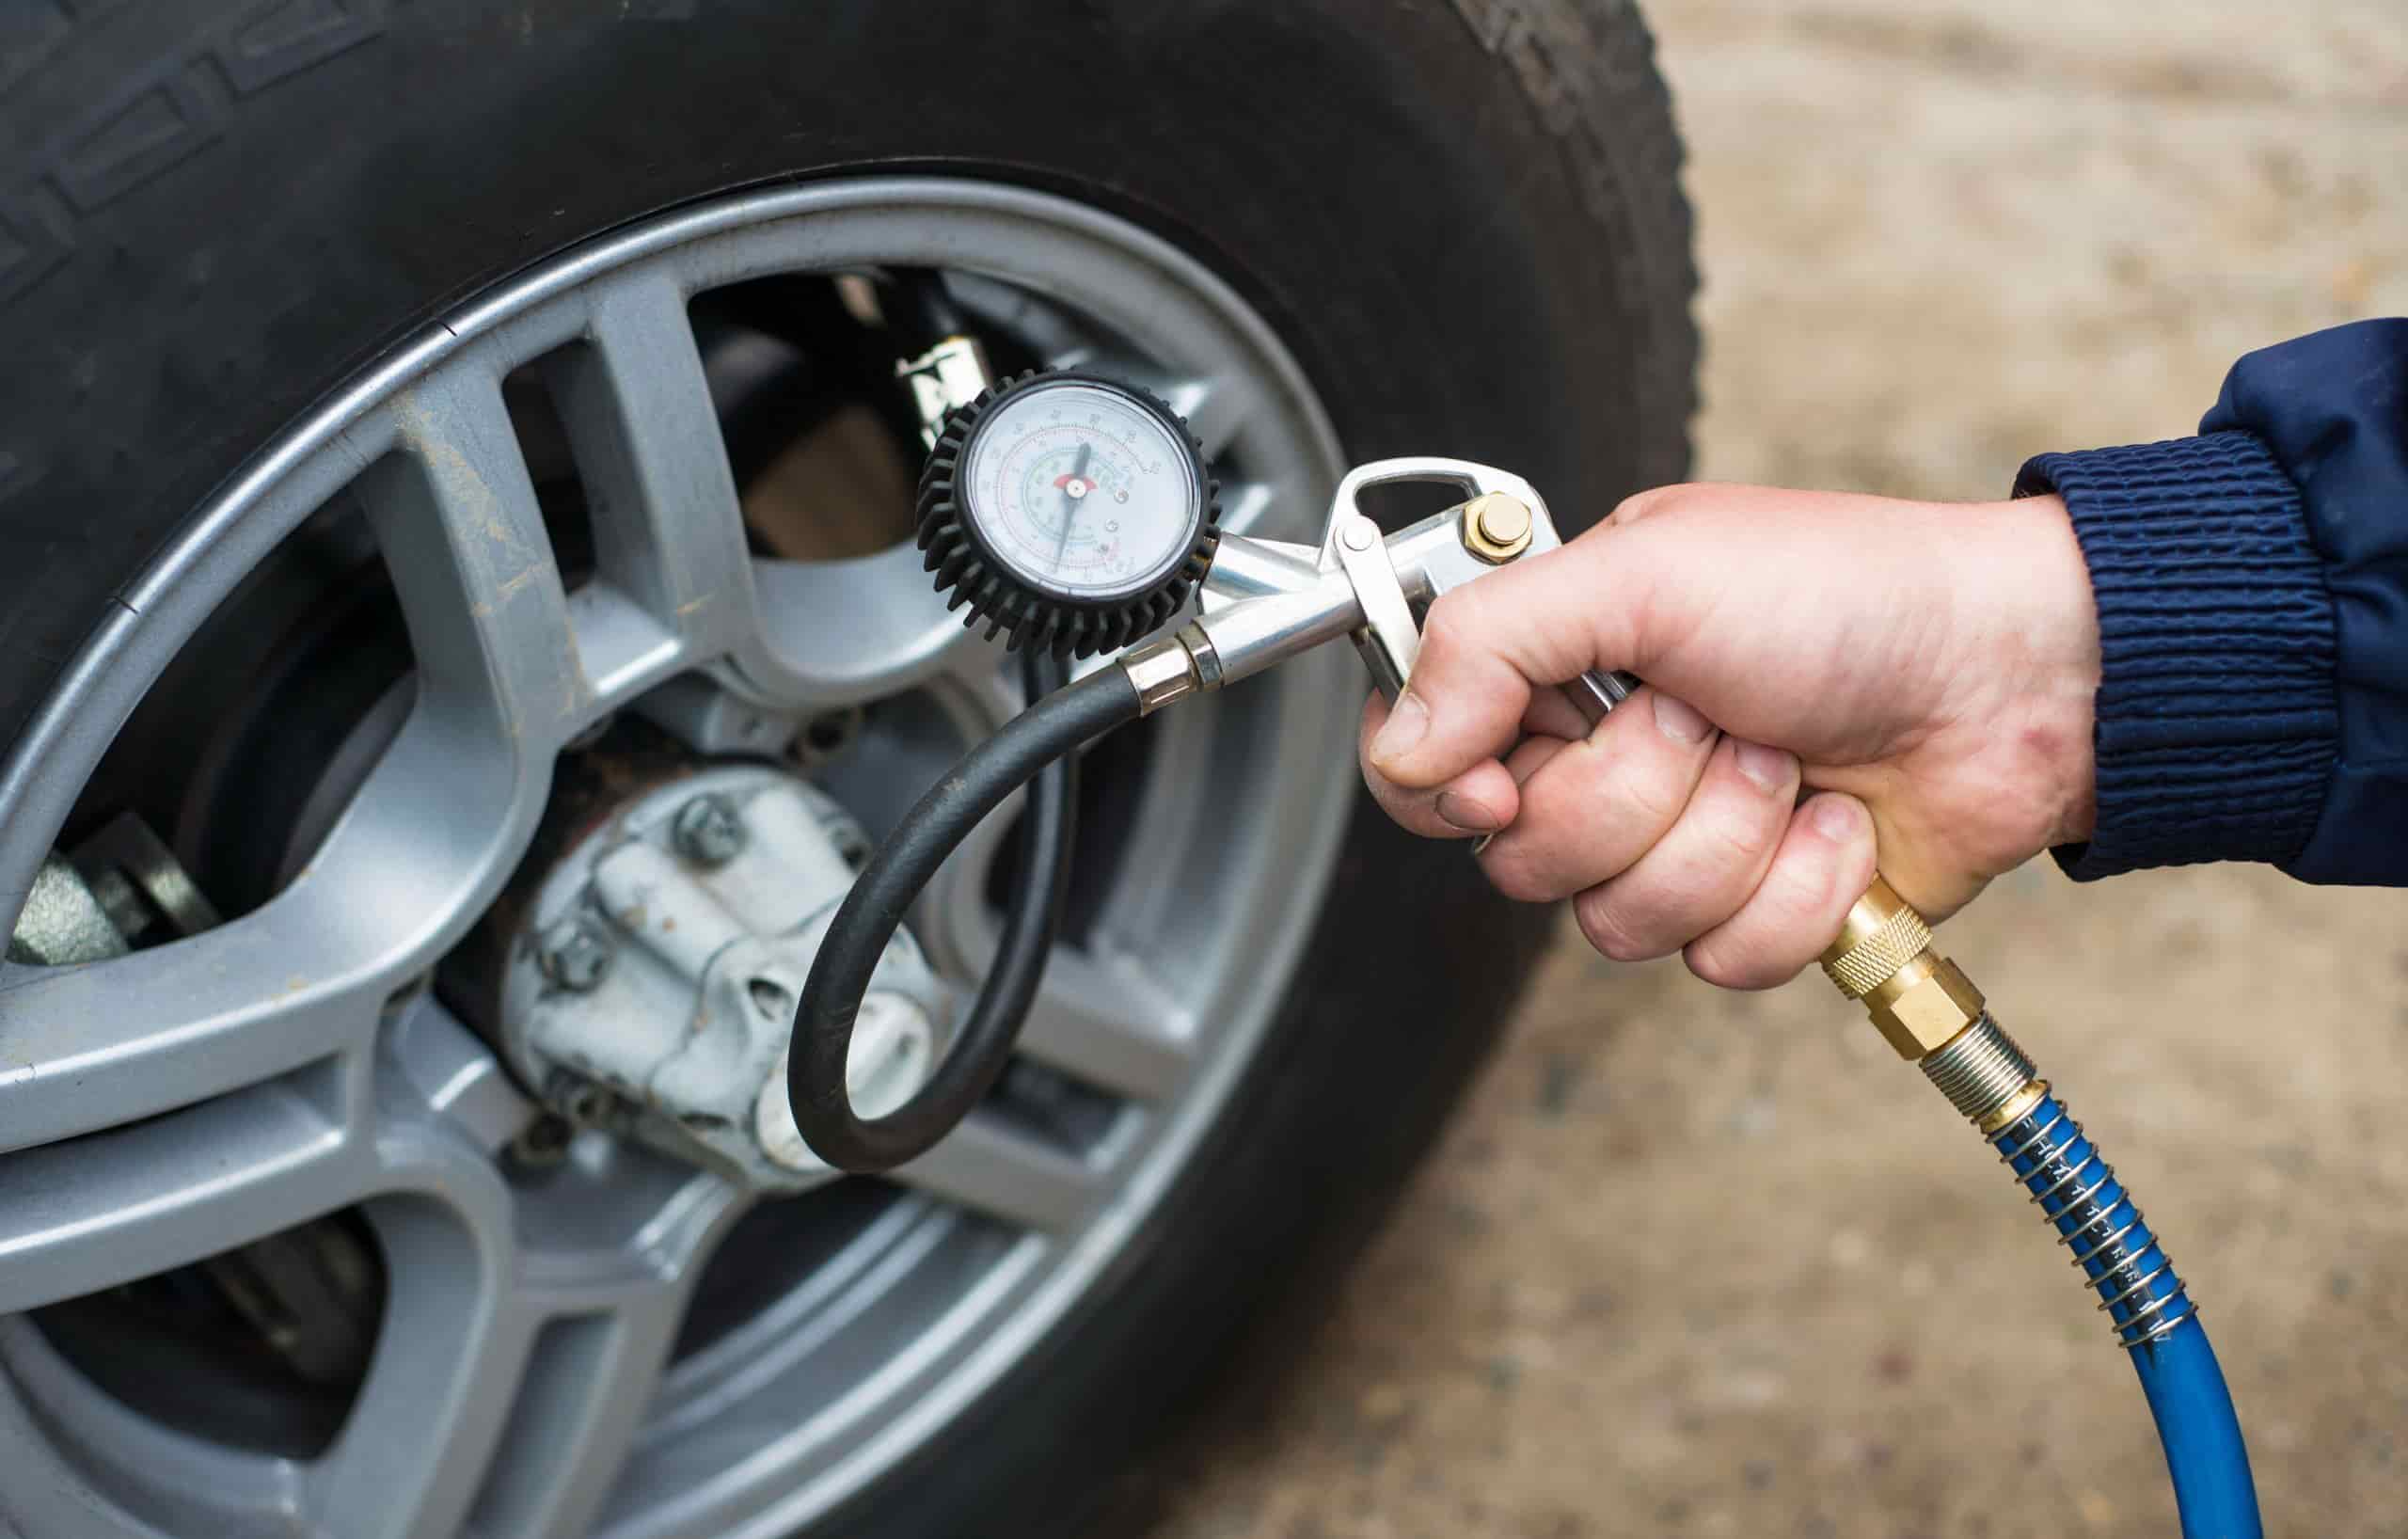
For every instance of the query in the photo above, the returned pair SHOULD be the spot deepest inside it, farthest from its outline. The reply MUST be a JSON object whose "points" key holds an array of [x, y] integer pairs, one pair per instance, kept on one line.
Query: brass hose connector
{"points": [[1883, 958], [1928, 1009]]}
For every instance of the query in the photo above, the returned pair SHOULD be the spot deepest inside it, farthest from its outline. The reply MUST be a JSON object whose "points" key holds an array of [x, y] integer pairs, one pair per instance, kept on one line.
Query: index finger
{"points": [[1487, 649], [1479, 802]]}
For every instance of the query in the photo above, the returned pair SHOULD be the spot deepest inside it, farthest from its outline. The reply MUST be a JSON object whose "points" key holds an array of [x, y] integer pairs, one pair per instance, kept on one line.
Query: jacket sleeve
{"points": [[2252, 585]]}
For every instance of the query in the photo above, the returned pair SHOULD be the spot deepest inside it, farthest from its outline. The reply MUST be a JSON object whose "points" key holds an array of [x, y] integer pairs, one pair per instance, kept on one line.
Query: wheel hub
{"points": [[652, 984]]}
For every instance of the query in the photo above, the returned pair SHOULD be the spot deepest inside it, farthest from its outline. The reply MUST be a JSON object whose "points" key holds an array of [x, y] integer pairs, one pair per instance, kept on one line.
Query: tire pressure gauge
{"points": [[1070, 511]]}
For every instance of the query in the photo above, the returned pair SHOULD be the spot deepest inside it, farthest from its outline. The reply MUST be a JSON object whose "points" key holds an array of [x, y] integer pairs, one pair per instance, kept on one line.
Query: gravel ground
{"points": [[1695, 1264]]}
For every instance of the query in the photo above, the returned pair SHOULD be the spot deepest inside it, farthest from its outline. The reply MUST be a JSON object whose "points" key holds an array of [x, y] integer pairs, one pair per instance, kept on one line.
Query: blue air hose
{"points": [[2154, 1319], [1932, 1014]]}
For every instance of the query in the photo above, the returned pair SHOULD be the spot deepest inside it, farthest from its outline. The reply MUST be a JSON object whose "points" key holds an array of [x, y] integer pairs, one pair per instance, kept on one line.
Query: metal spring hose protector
{"points": [[2098, 1221]]}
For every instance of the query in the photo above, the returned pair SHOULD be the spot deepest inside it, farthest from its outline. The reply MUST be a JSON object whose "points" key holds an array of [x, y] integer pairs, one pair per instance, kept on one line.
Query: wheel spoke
{"points": [[510, 1374], [454, 1073], [1248, 504], [114, 1041], [80, 1216], [952, 918], [1216, 409], [993, 1169], [182, 1484], [668, 532], [840, 632], [450, 1357], [1099, 1017], [164, 1481], [1105, 1021], [501, 682], [464, 541], [588, 1381]]}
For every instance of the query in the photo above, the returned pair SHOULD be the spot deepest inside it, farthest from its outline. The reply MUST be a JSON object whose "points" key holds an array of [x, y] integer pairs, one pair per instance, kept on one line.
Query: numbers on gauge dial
{"points": [[1082, 491]]}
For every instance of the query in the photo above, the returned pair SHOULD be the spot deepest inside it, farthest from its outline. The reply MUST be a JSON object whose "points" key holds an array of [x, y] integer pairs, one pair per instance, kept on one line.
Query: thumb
{"points": [[1488, 644]]}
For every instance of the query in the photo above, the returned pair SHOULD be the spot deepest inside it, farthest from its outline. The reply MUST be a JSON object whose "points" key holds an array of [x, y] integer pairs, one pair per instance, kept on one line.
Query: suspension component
{"points": [[651, 975]]}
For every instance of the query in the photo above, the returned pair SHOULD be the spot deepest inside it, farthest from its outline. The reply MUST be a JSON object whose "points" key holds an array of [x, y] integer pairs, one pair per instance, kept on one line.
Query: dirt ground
{"points": [[1694, 1263]]}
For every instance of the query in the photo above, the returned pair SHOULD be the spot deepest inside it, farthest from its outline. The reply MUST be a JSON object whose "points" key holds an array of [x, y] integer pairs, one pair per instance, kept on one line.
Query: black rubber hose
{"points": [[1034, 746]]}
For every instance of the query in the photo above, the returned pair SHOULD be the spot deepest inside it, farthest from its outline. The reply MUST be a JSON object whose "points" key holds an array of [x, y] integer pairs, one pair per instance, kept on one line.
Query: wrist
{"points": [[2039, 641], [2067, 693]]}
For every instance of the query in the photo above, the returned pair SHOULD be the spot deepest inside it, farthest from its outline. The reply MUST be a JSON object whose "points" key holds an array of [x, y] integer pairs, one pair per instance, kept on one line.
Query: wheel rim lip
{"points": [[162, 608]]}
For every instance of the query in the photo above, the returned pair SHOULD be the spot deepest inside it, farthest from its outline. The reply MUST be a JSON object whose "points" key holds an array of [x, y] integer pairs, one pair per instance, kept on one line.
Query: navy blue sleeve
{"points": [[2252, 585], [2333, 410]]}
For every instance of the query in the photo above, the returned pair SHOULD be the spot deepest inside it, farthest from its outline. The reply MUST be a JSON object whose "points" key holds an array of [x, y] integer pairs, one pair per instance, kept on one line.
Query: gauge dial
{"points": [[1081, 490], [1072, 510]]}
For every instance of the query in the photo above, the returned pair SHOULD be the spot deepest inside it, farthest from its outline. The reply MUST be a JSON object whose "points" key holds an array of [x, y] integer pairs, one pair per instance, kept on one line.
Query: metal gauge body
{"points": [[1070, 510]]}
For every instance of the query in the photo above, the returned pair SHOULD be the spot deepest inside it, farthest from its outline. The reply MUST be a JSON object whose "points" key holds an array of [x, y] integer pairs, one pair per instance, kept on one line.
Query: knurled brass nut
{"points": [[1924, 1005], [1497, 527]]}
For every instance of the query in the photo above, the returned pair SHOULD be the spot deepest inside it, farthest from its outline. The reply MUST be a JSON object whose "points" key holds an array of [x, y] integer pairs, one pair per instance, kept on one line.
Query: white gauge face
{"points": [[1081, 492]]}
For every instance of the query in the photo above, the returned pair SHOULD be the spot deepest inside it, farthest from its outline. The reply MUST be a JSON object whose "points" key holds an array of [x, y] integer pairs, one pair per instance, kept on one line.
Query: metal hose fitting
{"points": [[1933, 1014], [1883, 958], [1985, 1075]]}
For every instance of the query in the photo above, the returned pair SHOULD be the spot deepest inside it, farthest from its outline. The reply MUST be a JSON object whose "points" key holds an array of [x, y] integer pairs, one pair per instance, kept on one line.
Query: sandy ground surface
{"points": [[1692, 1263]]}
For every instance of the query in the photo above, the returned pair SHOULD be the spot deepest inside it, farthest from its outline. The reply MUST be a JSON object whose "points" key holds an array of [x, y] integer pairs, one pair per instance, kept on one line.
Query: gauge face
{"points": [[1082, 491]]}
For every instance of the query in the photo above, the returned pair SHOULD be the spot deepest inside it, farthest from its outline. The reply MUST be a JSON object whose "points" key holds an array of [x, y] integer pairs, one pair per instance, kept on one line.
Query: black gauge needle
{"points": [[1073, 488]]}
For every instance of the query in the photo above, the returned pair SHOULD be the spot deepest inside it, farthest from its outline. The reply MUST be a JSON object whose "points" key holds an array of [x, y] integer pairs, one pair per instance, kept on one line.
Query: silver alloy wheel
{"points": [[162, 1106]]}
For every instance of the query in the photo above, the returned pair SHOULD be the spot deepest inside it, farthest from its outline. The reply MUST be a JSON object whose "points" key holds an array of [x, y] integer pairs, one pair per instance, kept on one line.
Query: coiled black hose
{"points": [[1034, 746]]}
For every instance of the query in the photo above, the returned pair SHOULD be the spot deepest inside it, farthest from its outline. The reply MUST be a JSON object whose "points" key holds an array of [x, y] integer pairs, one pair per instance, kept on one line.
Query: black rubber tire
{"points": [[1464, 220]]}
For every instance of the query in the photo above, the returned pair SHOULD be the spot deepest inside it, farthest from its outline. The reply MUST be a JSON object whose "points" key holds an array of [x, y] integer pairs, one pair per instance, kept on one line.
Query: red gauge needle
{"points": [[1074, 485]]}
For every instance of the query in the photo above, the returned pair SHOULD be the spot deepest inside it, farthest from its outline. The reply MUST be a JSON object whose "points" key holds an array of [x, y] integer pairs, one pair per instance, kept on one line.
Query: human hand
{"points": [[1826, 671]]}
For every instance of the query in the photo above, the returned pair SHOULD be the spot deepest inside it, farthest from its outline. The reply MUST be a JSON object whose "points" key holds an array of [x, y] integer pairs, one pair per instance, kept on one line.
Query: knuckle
{"points": [[1453, 620], [1689, 894], [1406, 808], [1727, 842], [1652, 795], [1797, 889], [1727, 963], [1368, 719], [1607, 927], [1513, 876], [1638, 505], [1713, 961]]}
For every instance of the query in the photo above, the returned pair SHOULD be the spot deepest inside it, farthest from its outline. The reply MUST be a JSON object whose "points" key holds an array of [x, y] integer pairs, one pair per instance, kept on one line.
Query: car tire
{"points": [[1465, 221]]}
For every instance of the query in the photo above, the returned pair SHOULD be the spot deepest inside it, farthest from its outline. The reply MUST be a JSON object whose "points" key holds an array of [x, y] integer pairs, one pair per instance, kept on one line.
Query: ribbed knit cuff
{"points": [[2216, 722]]}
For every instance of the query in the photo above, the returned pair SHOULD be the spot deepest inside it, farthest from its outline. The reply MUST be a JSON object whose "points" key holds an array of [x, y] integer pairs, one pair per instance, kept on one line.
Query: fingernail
{"points": [[1408, 723], [1767, 767], [1679, 721], [1838, 818], [1462, 812]]}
